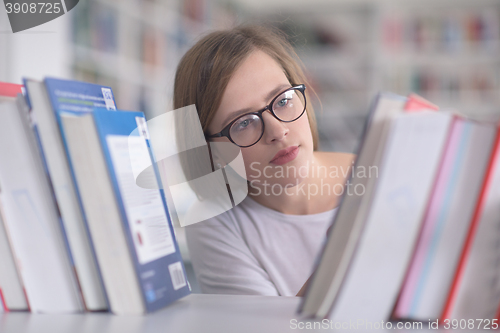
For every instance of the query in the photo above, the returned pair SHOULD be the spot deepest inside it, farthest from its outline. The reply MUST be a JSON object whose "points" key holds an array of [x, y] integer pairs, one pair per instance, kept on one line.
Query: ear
{"points": [[223, 153], [218, 163]]}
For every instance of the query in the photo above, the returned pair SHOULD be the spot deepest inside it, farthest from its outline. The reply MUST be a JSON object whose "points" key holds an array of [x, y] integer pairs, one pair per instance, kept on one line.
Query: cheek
{"points": [[304, 126], [253, 164], [301, 130]]}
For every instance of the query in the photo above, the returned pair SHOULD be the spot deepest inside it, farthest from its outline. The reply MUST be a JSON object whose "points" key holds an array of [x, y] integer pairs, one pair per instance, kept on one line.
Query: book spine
{"points": [[400, 309], [417, 103], [27, 299], [2, 300], [38, 142], [10, 89], [464, 256], [8, 240], [84, 217]]}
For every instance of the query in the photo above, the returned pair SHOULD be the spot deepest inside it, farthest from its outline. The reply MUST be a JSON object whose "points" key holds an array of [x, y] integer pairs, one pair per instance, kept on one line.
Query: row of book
{"points": [[97, 25], [477, 83], [77, 233], [422, 242], [449, 32]]}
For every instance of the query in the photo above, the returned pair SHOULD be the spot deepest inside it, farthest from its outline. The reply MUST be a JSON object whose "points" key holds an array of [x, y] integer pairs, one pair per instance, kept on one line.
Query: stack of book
{"points": [[419, 239], [77, 233]]}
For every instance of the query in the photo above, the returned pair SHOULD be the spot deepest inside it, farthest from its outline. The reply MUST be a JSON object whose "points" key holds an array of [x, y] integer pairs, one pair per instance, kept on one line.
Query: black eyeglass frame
{"points": [[225, 130]]}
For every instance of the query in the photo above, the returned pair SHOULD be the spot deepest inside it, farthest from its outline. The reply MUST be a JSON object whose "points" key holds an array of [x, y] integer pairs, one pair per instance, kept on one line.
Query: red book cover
{"points": [[476, 218], [417, 103], [2, 301], [10, 89]]}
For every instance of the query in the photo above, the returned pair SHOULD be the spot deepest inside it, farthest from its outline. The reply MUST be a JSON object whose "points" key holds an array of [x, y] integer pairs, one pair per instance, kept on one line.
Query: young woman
{"points": [[249, 90]]}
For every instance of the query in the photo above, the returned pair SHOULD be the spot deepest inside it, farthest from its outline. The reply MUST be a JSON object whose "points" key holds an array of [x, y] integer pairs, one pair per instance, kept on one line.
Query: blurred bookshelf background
{"points": [[445, 50]]}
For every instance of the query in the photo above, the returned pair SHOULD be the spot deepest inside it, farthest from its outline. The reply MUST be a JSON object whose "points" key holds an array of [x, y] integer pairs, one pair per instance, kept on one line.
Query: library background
{"points": [[444, 50]]}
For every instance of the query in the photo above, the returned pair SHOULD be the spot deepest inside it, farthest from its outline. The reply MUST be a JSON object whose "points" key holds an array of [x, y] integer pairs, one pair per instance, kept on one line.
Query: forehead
{"points": [[250, 85]]}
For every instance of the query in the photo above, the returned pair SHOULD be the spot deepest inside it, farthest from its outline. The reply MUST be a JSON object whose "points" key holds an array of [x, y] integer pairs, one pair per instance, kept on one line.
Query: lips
{"points": [[285, 155]]}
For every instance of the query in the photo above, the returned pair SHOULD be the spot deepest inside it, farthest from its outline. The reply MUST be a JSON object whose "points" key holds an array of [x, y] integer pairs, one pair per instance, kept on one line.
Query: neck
{"points": [[302, 199]]}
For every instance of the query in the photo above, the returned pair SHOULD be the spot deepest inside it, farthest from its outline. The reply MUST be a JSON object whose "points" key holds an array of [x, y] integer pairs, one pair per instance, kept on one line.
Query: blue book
{"points": [[47, 100], [133, 236]]}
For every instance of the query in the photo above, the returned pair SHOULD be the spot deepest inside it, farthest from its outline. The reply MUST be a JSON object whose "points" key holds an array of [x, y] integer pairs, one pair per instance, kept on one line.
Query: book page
{"points": [[146, 214], [411, 157]]}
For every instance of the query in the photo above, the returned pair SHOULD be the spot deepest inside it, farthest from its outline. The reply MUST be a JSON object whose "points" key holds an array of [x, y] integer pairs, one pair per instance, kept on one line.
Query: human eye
{"points": [[284, 99], [245, 123], [283, 102]]}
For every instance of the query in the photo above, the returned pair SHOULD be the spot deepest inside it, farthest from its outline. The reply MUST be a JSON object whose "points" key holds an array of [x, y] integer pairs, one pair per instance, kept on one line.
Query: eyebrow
{"points": [[271, 94]]}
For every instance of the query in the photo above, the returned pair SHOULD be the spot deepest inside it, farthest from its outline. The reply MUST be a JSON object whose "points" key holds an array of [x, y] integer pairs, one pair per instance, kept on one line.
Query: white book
{"points": [[32, 218], [12, 295], [353, 211], [447, 221], [476, 293], [67, 198], [406, 175], [103, 215]]}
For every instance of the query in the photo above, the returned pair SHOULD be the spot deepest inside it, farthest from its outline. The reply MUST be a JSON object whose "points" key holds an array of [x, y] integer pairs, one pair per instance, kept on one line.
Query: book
{"points": [[12, 294], [429, 247], [445, 225], [130, 226], [474, 291], [9, 91], [31, 217], [417, 103], [386, 244], [353, 210], [48, 99], [342, 294]]}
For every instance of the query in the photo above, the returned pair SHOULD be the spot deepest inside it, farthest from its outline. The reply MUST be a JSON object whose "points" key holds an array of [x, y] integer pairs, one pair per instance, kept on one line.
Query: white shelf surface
{"points": [[194, 313]]}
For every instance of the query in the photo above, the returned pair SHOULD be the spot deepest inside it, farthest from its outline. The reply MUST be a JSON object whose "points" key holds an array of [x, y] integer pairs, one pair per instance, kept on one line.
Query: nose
{"points": [[275, 130]]}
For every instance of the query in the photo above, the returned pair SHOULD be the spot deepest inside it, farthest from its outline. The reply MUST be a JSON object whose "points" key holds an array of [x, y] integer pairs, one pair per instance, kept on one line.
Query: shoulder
{"points": [[224, 225], [332, 168], [242, 223], [212, 227]]}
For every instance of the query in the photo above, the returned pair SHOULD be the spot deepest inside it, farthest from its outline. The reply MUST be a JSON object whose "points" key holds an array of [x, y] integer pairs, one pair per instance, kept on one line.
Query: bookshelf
{"points": [[448, 55], [34, 53], [350, 49], [4, 26], [131, 45], [194, 313], [446, 51], [134, 45]]}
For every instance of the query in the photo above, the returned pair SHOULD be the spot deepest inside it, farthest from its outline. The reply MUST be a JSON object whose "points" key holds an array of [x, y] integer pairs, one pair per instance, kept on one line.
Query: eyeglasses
{"points": [[247, 130]]}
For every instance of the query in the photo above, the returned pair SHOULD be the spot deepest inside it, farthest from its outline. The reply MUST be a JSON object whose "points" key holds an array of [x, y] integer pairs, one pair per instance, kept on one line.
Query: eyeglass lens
{"points": [[248, 129]]}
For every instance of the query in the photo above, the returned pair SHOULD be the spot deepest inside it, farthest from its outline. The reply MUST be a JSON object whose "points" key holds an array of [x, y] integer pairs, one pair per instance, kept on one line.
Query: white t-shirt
{"points": [[255, 250]]}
